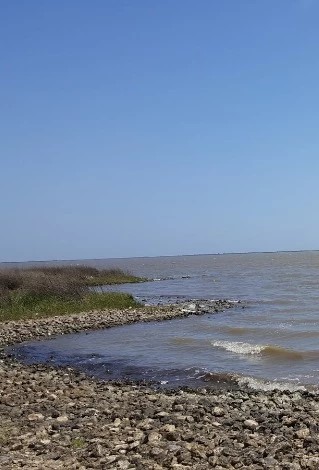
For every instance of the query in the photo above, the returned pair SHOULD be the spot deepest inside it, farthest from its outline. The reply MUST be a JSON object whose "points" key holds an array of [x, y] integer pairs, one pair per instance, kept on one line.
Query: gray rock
{"points": [[251, 424], [302, 433], [35, 417], [154, 437]]}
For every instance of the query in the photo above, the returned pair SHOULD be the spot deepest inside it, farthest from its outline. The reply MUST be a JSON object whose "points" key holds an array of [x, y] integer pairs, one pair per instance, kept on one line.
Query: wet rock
{"points": [[190, 308]]}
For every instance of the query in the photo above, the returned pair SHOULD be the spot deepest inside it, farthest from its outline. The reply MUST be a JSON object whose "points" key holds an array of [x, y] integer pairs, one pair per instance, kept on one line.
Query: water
{"points": [[273, 341]]}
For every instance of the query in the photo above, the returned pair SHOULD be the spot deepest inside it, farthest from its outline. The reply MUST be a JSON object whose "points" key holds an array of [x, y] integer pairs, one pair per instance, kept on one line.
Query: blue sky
{"points": [[144, 128]]}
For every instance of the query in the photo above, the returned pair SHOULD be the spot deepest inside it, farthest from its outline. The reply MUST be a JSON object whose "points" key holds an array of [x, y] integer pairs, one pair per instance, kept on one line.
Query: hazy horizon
{"points": [[159, 256]]}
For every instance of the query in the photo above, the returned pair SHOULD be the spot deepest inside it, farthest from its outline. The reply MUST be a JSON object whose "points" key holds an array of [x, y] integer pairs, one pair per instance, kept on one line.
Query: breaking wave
{"points": [[268, 385], [253, 383], [278, 352]]}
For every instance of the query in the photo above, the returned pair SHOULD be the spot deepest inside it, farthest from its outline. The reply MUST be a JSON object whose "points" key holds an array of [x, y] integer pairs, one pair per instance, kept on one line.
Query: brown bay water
{"points": [[273, 342]]}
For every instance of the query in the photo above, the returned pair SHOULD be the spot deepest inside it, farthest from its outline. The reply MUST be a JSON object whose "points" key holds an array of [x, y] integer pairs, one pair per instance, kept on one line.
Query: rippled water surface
{"points": [[275, 338]]}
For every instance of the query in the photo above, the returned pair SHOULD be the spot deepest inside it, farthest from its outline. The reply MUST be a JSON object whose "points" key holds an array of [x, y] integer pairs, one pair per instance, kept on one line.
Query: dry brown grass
{"points": [[40, 283], [59, 289]]}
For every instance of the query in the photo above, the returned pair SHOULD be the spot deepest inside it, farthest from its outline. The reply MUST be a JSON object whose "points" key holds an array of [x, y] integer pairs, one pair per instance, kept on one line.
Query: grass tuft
{"points": [[78, 443]]}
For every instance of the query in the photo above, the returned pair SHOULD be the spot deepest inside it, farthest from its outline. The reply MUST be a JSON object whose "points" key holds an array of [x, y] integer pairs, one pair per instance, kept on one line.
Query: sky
{"points": [[146, 127]]}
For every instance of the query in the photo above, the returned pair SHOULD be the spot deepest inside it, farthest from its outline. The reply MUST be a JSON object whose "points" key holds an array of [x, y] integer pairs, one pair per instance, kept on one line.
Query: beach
{"points": [[59, 418], [159, 262]]}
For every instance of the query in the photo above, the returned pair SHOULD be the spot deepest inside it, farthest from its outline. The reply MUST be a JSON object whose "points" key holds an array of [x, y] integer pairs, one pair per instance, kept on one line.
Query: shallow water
{"points": [[276, 338]]}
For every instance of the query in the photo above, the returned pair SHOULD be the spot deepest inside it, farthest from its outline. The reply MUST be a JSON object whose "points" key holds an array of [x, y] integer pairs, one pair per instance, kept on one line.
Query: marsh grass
{"points": [[87, 274], [112, 276], [55, 290]]}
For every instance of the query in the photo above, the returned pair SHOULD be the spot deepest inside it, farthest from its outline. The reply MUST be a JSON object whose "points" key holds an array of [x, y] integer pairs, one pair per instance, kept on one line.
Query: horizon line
{"points": [[159, 256]]}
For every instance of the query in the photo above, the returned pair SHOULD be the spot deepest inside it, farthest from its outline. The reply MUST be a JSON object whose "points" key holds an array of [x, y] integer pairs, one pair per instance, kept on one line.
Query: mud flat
{"points": [[58, 418]]}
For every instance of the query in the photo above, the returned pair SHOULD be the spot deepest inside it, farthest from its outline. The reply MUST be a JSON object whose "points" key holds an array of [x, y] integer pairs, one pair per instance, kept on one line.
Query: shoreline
{"points": [[58, 418], [17, 331]]}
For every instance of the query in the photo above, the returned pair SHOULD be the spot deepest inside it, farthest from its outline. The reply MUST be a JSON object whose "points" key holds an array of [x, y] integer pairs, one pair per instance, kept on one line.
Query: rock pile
{"points": [[59, 419]]}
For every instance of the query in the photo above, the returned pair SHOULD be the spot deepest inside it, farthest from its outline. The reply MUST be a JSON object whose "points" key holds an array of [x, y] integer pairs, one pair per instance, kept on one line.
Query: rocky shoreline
{"points": [[57, 418], [12, 332]]}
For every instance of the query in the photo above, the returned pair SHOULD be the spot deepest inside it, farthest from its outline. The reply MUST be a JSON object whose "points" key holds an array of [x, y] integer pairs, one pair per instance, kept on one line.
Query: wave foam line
{"points": [[268, 385], [239, 347]]}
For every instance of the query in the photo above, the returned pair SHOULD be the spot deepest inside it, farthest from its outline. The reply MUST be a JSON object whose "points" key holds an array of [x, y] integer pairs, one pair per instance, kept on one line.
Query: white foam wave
{"points": [[265, 385], [239, 347]]}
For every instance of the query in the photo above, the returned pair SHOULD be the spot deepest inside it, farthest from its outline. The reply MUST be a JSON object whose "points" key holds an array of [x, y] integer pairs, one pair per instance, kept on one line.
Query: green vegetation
{"points": [[57, 290], [112, 276], [88, 275], [78, 443]]}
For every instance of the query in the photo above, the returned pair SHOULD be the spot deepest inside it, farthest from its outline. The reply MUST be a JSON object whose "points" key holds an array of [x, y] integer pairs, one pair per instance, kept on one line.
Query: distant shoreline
{"points": [[159, 256]]}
